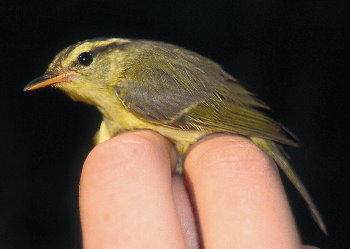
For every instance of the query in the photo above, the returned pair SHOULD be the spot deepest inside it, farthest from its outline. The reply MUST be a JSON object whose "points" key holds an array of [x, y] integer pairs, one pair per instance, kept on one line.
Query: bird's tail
{"points": [[271, 148]]}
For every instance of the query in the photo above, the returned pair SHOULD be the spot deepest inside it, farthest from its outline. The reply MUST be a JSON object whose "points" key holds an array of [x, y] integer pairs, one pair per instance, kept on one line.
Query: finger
{"points": [[126, 195], [239, 196], [185, 212]]}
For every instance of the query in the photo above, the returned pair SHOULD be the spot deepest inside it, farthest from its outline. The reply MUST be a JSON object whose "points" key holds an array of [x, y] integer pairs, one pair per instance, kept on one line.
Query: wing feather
{"points": [[168, 85]]}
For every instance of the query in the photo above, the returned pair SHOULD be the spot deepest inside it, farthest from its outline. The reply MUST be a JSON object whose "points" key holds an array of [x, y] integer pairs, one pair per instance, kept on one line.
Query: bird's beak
{"points": [[47, 80]]}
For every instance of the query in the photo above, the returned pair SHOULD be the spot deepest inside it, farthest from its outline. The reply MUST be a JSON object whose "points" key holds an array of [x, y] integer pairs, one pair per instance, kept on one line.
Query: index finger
{"points": [[126, 198]]}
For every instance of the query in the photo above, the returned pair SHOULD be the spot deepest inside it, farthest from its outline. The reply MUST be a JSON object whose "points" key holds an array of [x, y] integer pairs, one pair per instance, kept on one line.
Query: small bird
{"points": [[140, 84]]}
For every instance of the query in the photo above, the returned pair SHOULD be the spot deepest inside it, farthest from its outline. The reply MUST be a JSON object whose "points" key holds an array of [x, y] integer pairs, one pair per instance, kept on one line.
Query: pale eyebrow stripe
{"points": [[101, 49], [114, 45]]}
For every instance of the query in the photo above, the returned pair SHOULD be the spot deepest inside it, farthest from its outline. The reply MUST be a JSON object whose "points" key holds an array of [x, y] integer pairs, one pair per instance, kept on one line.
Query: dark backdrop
{"points": [[293, 55]]}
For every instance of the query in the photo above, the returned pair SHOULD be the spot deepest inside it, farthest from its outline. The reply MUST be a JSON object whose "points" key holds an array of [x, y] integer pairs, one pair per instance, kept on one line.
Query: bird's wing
{"points": [[182, 89]]}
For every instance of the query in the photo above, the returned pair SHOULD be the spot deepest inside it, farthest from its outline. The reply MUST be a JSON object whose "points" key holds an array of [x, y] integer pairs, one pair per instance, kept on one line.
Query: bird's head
{"points": [[85, 70]]}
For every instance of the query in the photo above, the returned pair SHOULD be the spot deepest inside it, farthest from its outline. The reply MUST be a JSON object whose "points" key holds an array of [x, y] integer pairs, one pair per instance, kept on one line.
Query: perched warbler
{"points": [[138, 84]]}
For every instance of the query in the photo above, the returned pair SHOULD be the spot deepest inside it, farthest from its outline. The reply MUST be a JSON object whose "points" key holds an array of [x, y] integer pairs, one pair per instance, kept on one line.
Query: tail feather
{"points": [[272, 150]]}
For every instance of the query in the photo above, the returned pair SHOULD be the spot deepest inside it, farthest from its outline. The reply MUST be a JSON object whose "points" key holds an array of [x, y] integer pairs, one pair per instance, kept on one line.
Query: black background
{"points": [[293, 55]]}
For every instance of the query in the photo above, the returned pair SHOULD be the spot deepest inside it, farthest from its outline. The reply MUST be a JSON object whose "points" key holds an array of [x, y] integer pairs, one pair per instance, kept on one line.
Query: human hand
{"points": [[232, 196]]}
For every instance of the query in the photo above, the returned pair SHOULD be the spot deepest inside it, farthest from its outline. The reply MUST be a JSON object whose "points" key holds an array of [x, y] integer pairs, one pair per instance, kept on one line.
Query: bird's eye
{"points": [[85, 59]]}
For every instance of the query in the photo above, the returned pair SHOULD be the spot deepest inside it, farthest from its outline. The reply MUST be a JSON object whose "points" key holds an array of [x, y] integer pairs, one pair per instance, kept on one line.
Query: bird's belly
{"points": [[180, 137]]}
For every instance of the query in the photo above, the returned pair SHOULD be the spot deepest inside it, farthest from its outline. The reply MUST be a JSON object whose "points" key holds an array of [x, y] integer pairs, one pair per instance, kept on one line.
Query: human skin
{"points": [[231, 196]]}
